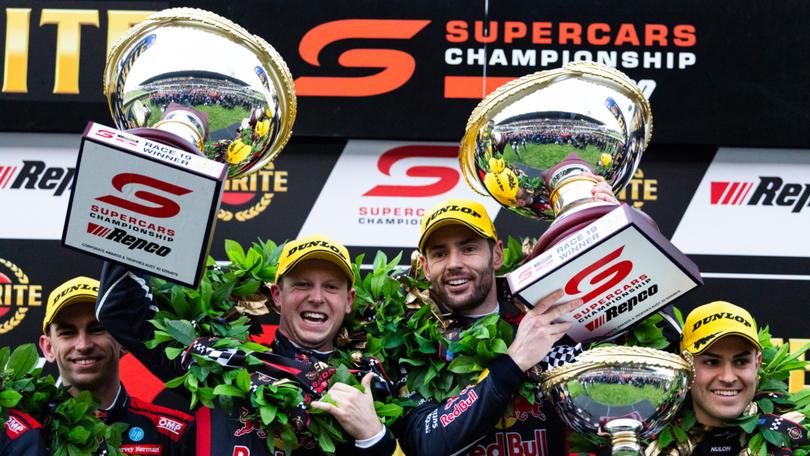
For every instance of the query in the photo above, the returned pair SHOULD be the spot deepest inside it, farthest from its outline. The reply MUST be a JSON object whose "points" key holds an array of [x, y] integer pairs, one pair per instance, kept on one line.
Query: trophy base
{"points": [[624, 436], [620, 265]]}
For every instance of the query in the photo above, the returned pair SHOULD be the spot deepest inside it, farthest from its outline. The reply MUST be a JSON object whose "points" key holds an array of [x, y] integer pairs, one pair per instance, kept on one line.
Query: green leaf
{"points": [[464, 364], [182, 331], [243, 380], [249, 287], [78, 435], [665, 437], [228, 390], [235, 252], [9, 398], [22, 360]]}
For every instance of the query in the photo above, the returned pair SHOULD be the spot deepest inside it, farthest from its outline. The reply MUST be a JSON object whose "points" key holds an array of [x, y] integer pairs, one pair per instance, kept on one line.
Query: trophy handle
{"points": [[624, 436]]}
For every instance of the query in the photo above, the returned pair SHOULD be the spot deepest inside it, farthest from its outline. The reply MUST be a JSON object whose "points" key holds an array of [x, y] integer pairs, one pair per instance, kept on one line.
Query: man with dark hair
{"points": [[313, 292], [723, 338], [460, 253], [87, 357]]}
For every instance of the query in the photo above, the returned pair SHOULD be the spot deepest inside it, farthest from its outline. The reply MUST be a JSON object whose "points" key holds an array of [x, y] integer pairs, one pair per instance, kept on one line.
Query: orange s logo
{"points": [[397, 66]]}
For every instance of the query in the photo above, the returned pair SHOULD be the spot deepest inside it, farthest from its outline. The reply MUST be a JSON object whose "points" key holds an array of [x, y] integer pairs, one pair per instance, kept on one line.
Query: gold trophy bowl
{"points": [[625, 393]]}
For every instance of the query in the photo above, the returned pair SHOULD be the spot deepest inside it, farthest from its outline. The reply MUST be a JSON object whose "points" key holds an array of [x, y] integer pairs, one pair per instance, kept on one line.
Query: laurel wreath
{"points": [[19, 315], [247, 214]]}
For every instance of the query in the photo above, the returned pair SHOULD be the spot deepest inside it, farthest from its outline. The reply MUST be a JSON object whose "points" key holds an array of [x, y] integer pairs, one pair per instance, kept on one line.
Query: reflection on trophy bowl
{"points": [[201, 77], [627, 392], [529, 143]]}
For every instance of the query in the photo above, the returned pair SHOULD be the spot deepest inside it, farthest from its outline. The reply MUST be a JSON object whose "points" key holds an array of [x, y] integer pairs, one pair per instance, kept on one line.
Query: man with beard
{"points": [[460, 254], [87, 357], [313, 292]]}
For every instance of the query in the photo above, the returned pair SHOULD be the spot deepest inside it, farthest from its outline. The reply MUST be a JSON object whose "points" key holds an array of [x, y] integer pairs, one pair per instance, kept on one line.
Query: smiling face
{"points": [[461, 268], [312, 299], [86, 354], [725, 380]]}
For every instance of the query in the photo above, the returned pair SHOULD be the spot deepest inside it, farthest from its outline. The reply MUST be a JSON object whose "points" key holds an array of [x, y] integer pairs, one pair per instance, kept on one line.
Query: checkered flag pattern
{"points": [[203, 347], [559, 355]]}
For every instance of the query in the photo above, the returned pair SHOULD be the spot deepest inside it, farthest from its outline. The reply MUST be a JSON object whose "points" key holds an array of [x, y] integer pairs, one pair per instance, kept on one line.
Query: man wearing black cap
{"points": [[460, 253], [313, 293], [87, 357]]}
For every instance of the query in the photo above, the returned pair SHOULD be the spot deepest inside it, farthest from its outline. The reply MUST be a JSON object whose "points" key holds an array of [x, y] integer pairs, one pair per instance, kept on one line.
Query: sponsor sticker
{"points": [[751, 202], [17, 295]]}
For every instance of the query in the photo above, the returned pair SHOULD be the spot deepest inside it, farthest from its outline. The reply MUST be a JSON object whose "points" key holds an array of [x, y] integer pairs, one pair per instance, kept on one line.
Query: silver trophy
{"points": [[215, 87], [531, 143], [196, 99], [626, 393]]}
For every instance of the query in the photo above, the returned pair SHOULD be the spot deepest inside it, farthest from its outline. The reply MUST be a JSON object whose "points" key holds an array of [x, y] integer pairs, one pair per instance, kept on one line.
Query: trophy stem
{"points": [[624, 436]]}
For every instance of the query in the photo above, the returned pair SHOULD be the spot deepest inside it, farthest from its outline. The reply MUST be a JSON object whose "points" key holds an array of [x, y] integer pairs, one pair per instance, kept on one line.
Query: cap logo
{"points": [[452, 208], [312, 244], [512, 180], [704, 340], [73, 289], [720, 316]]}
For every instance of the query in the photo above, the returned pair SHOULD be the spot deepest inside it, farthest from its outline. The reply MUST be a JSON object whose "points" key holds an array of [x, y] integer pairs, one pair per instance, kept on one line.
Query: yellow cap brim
{"points": [[325, 255]]}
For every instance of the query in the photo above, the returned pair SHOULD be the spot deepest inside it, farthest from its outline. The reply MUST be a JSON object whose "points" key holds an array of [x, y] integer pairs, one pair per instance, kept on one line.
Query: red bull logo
{"points": [[513, 444]]}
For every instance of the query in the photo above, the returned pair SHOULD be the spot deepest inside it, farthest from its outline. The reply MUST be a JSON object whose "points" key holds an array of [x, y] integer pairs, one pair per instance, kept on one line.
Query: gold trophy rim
{"points": [[267, 54], [618, 356], [493, 104]]}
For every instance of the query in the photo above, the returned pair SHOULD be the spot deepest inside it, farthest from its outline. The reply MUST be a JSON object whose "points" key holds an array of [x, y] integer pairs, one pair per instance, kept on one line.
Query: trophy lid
{"points": [[203, 61]]}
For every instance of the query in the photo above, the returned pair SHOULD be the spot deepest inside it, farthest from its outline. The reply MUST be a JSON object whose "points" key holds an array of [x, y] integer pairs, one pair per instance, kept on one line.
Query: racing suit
{"points": [[152, 429], [124, 308], [23, 436], [478, 420]]}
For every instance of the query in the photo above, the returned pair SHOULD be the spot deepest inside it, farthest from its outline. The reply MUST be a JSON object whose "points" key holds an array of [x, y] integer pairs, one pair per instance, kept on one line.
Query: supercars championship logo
{"points": [[515, 46], [17, 295], [130, 222], [249, 196]]}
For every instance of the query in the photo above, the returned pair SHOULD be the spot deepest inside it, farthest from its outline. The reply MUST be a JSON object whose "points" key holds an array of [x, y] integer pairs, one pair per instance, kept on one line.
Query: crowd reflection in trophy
{"points": [[539, 146]]}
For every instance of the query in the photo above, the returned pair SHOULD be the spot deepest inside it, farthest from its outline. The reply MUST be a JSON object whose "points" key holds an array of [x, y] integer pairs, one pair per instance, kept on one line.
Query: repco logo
{"points": [[163, 207], [446, 177], [770, 191], [247, 197], [17, 295], [132, 242], [604, 274], [36, 175], [396, 66]]}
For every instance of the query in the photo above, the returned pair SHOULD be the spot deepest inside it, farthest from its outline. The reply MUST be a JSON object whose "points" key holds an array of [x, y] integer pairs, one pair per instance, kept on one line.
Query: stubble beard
{"points": [[475, 300]]}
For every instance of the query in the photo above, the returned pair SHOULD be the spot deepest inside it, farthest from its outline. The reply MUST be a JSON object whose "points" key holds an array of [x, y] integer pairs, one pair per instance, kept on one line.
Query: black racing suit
{"points": [[476, 421], [152, 429], [720, 442], [124, 308], [23, 436]]}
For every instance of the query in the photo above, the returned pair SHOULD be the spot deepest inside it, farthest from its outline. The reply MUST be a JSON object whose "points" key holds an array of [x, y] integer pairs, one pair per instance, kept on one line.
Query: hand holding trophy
{"points": [[201, 100], [539, 145]]}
